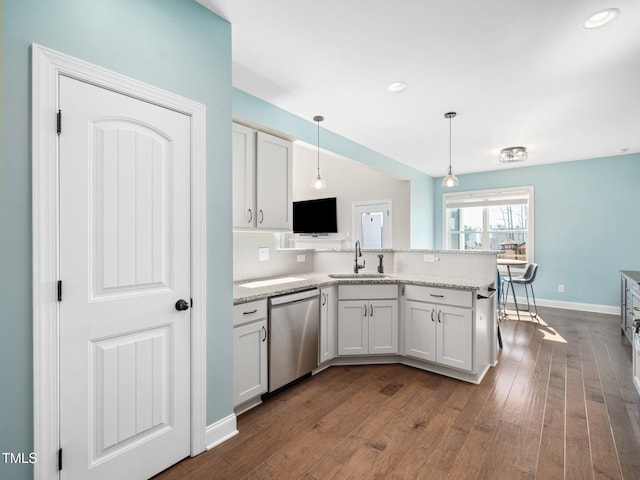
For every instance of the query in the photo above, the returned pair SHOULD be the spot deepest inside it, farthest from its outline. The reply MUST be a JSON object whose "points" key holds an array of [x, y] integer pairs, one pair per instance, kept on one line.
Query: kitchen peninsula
{"points": [[433, 310]]}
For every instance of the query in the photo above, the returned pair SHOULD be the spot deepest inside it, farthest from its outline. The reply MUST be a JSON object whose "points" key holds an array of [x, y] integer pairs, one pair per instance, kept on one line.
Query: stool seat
{"points": [[527, 279]]}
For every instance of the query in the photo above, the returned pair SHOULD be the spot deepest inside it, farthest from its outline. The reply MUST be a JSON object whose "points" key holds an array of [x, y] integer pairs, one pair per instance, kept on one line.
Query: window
{"points": [[500, 220]]}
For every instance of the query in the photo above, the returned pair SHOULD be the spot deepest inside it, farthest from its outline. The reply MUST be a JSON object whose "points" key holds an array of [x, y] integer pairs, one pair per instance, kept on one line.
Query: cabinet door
{"points": [[383, 326], [455, 337], [244, 177], [328, 313], [353, 327], [249, 361], [273, 182], [420, 330]]}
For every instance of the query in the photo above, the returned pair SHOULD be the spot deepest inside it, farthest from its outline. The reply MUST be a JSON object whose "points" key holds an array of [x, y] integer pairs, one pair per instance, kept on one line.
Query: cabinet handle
{"points": [[440, 316], [324, 299], [432, 310], [250, 216], [250, 313], [261, 216], [371, 310], [365, 309], [265, 333], [436, 296]]}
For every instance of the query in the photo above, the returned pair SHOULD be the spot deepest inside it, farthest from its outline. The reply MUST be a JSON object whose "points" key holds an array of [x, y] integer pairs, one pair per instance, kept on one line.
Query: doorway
{"points": [[372, 224]]}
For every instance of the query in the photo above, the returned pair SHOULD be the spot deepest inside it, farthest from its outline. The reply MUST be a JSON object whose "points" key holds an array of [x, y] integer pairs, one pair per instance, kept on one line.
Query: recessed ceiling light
{"points": [[601, 18], [396, 87]]}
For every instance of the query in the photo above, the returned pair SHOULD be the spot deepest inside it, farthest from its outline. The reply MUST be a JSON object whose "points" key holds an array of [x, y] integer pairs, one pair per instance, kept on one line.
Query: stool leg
{"points": [[535, 307]]}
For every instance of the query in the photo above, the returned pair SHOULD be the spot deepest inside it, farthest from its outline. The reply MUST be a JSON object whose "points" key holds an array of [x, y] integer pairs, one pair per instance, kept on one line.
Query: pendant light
{"points": [[318, 182], [450, 180]]}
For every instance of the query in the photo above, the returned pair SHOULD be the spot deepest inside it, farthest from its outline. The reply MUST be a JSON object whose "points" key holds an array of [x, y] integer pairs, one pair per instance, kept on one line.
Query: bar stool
{"points": [[527, 279]]}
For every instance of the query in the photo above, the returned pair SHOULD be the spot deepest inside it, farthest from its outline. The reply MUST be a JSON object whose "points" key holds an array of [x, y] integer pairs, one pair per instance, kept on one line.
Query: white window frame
{"points": [[486, 198]]}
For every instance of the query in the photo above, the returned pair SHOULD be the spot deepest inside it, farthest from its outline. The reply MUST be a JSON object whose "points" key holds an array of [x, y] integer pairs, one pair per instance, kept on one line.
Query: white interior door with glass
{"points": [[372, 223]]}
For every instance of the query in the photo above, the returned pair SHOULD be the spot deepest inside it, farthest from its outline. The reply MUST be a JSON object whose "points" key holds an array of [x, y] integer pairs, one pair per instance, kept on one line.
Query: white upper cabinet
{"points": [[244, 177], [262, 180]]}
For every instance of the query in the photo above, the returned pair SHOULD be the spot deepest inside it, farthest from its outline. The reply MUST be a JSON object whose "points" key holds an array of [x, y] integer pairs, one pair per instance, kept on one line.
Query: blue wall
{"points": [[422, 186], [586, 223], [176, 45]]}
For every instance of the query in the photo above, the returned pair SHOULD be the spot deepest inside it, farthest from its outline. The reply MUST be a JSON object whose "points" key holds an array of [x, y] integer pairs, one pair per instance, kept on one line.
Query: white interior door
{"points": [[124, 236]]}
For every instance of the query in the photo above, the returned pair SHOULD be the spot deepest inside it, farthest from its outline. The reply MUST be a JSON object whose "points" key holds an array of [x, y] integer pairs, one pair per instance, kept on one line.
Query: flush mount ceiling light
{"points": [[396, 87], [601, 18], [318, 182], [450, 180], [513, 154]]}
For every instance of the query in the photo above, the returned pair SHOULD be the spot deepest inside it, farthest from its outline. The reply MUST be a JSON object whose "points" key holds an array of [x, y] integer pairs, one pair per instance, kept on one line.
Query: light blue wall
{"points": [[176, 45], [586, 223], [422, 186]]}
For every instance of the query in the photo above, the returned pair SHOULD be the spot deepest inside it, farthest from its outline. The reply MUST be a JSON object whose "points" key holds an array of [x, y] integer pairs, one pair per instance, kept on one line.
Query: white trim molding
{"points": [[221, 431], [47, 67], [582, 307]]}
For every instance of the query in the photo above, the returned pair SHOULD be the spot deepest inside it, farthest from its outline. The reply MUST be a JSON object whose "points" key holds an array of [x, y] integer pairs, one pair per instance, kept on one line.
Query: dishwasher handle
{"points": [[294, 297]]}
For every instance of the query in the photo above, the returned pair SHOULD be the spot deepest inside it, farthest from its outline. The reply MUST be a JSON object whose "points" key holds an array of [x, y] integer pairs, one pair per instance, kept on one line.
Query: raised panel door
{"points": [[244, 177], [249, 361], [353, 327], [383, 326], [420, 330], [327, 323], [455, 337], [273, 182], [124, 262]]}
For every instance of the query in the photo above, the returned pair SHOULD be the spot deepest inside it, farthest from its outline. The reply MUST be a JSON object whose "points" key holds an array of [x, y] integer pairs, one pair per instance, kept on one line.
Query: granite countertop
{"points": [[312, 280]]}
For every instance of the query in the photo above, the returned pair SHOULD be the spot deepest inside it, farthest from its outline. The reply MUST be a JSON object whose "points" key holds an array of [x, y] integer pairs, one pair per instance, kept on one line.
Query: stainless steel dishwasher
{"points": [[294, 323]]}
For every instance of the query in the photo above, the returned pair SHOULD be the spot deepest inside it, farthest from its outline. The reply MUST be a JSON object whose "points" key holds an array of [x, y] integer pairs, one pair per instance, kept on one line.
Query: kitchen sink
{"points": [[358, 275]]}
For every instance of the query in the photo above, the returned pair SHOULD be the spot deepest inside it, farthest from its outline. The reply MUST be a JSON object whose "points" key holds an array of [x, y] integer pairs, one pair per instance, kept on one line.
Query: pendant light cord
{"points": [[450, 145]]}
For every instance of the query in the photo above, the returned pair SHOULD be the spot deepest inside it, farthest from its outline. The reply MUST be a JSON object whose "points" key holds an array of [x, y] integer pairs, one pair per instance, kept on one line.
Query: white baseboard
{"points": [[220, 431], [584, 307]]}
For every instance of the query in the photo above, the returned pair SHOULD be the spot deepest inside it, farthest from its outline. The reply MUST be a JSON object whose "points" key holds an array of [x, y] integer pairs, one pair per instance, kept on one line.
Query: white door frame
{"points": [[388, 228], [47, 66]]}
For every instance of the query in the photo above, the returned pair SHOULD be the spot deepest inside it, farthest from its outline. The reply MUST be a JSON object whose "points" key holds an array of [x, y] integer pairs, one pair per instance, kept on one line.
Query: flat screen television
{"points": [[315, 217]]}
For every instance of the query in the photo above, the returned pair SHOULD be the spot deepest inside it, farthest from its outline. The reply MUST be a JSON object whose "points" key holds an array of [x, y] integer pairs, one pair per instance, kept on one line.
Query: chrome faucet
{"points": [[357, 267]]}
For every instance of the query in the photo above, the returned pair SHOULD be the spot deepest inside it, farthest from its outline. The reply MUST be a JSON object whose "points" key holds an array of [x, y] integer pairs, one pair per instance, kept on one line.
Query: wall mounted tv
{"points": [[315, 217]]}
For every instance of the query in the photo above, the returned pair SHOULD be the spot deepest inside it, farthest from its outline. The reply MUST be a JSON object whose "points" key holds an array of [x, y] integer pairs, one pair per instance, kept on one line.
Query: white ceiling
{"points": [[517, 72]]}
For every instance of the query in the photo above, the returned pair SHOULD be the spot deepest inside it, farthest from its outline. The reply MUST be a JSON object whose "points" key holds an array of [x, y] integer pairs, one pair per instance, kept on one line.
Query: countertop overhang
{"points": [[318, 280]]}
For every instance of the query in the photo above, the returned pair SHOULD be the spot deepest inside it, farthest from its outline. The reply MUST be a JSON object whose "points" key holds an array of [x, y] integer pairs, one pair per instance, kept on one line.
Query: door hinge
{"points": [[59, 122], [59, 290], [59, 459]]}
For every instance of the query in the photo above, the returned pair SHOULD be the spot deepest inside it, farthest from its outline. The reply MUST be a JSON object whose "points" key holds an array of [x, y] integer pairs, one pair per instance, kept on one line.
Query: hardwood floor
{"points": [[560, 404]]}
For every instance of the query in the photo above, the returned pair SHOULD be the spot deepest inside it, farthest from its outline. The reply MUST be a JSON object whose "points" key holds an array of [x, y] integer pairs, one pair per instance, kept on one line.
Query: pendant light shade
{"points": [[450, 180], [318, 183]]}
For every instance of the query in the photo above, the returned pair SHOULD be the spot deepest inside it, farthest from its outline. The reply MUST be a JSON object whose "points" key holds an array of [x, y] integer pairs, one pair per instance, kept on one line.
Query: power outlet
{"points": [[301, 258], [263, 254], [560, 288], [428, 257]]}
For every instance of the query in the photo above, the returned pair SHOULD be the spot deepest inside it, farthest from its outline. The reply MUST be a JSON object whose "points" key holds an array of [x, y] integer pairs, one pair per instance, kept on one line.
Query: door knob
{"points": [[182, 305]]}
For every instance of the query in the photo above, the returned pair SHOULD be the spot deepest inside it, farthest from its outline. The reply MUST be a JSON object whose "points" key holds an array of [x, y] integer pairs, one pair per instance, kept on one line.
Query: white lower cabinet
{"points": [[328, 314], [249, 351], [439, 333], [367, 326]]}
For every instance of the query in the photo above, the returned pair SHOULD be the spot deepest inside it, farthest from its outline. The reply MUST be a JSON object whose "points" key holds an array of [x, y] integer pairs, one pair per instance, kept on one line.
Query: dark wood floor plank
{"points": [[560, 404], [552, 443]]}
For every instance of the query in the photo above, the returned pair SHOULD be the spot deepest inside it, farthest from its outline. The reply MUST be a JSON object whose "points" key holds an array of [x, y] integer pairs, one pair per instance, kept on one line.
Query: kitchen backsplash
{"points": [[247, 263]]}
